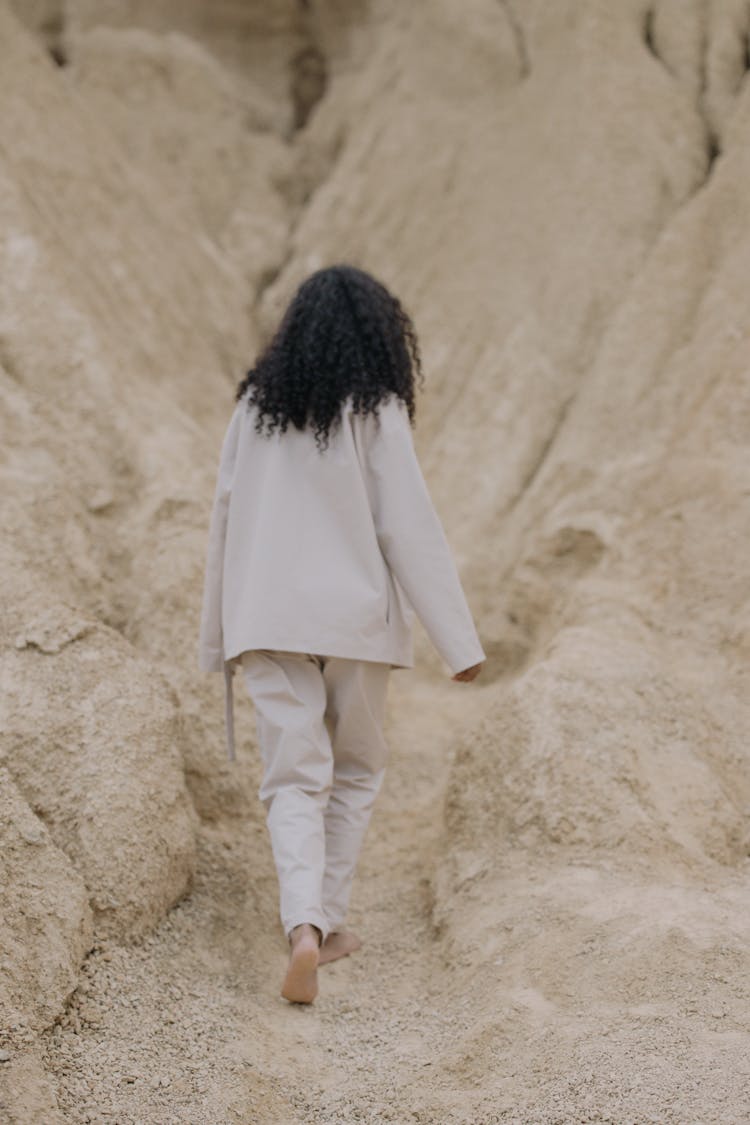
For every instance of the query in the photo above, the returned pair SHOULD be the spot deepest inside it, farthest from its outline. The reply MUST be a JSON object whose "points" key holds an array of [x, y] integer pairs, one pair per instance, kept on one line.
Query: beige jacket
{"points": [[328, 553]]}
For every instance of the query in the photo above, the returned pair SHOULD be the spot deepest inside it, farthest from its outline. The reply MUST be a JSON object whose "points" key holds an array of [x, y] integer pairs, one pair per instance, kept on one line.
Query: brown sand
{"points": [[553, 897]]}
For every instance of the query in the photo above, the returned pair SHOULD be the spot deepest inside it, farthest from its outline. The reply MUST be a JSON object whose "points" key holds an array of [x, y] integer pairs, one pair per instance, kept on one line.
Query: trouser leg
{"points": [[289, 697], [356, 691]]}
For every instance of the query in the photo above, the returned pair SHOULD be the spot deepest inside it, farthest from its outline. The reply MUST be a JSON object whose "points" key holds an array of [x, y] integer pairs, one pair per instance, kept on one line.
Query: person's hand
{"points": [[468, 673]]}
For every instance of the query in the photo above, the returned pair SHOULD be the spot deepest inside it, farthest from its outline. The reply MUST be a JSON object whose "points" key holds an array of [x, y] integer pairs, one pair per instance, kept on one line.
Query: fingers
{"points": [[467, 674]]}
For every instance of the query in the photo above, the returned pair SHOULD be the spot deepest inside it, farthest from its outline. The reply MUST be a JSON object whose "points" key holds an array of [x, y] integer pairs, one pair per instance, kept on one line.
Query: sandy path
{"points": [[558, 990], [189, 1026]]}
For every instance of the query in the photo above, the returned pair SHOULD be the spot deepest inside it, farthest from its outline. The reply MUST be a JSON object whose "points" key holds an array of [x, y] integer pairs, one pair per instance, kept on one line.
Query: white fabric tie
{"points": [[229, 708]]}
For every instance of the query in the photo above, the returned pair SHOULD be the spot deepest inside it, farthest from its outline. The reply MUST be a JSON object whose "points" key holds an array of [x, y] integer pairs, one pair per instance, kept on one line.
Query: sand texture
{"points": [[554, 895]]}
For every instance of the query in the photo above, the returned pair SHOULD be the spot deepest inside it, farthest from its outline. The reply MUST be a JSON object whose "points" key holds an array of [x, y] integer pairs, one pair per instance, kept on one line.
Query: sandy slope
{"points": [[575, 993], [553, 896]]}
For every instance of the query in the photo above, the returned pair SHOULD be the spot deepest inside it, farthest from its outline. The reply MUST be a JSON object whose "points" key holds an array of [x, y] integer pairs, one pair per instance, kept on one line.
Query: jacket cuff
{"points": [[467, 659]]}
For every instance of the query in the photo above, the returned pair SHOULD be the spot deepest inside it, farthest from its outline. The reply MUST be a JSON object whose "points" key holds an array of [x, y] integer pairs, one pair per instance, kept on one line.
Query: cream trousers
{"points": [[319, 724]]}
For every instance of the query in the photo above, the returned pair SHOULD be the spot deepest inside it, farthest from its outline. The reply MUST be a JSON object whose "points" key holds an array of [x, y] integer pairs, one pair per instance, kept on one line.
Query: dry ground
{"points": [[189, 1026]]}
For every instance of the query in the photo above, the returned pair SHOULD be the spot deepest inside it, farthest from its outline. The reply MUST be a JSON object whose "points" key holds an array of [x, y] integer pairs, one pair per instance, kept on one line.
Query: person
{"points": [[323, 545]]}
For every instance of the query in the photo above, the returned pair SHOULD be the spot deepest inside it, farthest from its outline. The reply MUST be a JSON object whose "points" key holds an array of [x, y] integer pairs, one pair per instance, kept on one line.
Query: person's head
{"points": [[342, 334]]}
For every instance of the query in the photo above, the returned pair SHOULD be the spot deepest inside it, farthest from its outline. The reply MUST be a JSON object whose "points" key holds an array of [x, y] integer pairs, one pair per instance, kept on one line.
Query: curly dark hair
{"points": [[342, 334]]}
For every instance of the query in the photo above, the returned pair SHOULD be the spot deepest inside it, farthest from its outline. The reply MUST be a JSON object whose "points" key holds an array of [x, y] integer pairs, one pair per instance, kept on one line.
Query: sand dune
{"points": [[553, 895]]}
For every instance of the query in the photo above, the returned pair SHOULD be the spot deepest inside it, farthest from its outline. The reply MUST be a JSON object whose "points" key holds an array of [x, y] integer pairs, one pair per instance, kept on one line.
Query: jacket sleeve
{"points": [[211, 638], [412, 538]]}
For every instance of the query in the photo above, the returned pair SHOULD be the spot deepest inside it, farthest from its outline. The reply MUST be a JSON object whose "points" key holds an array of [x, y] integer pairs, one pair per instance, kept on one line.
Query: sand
{"points": [[553, 895]]}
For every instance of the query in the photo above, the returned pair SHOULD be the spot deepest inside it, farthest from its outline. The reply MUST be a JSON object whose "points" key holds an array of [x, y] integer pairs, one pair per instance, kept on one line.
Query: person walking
{"points": [[323, 544]]}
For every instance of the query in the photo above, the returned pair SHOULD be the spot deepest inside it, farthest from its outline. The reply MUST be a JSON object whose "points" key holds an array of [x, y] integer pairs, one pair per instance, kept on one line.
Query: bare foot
{"points": [[301, 980], [338, 944]]}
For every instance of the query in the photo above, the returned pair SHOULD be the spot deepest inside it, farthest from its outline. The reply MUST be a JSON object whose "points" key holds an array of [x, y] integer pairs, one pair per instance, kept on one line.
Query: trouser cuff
{"points": [[313, 919]]}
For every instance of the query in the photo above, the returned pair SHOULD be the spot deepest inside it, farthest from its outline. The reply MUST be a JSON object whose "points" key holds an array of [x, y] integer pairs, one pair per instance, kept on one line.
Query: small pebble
{"points": [[4, 1056], [100, 500]]}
